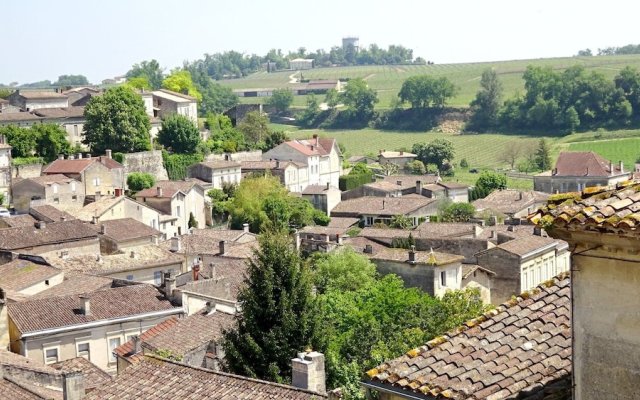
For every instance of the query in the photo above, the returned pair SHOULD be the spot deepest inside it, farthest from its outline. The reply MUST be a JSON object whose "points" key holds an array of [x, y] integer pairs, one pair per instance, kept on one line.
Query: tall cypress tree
{"points": [[277, 318]]}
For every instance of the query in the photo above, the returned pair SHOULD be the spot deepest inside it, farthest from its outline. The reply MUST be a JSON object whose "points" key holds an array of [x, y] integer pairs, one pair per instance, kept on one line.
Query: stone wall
{"points": [[26, 171], [255, 155], [146, 161]]}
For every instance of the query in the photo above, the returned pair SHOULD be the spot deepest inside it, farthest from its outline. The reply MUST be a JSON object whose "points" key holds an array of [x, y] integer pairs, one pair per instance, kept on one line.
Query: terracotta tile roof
{"points": [[510, 201], [168, 380], [323, 230], [41, 94], [409, 181], [422, 257], [75, 284], [20, 274], [12, 389], [207, 241], [64, 112], [227, 271], [268, 165], [169, 189], [220, 164], [124, 229], [14, 360], [389, 206], [18, 117], [97, 208], [385, 186], [126, 350], [19, 220], [359, 244], [64, 311], [93, 375], [174, 96], [519, 347], [190, 333], [584, 163], [343, 222], [24, 237], [594, 209], [446, 229], [50, 179], [108, 162], [49, 213], [468, 269], [524, 246], [310, 147], [68, 166], [317, 189]]}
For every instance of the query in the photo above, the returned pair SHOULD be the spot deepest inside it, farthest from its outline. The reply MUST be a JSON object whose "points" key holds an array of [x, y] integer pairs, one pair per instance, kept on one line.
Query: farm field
{"points": [[387, 79], [625, 150]]}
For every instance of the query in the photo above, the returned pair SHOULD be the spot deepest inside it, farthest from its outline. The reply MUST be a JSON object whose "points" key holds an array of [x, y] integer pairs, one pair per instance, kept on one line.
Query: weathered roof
{"points": [[370, 205], [64, 311], [322, 230], [446, 229], [269, 165], [317, 189], [44, 180], [8, 358], [519, 347], [97, 208], [161, 379], [468, 269], [528, 245], [12, 389], [75, 283], [311, 147], [41, 94], [207, 241], [396, 154], [64, 112], [124, 229], [421, 257], [18, 220], [385, 186], [67, 166], [169, 189], [20, 274], [510, 201], [409, 181], [93, 375], [24, 237], [584, 163], [220, 164], [343, 222], [126, 350], [49, 213], [595, 209], [228, 272], [18, 117], [174, 96]]}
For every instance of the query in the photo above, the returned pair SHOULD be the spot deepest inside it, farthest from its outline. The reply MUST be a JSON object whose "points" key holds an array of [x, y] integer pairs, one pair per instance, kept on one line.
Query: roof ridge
{"points": [[245, 378]]}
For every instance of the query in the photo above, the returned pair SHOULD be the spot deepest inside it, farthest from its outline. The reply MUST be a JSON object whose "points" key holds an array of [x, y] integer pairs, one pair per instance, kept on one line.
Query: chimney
{"points": [[64, 254], [175, 244], [399, 183], [328, 185], [95, 220], [493, 220], [537, 231], [73, 385], [610, 168], [85, 305], [315, 137], [169, 287], [108, 153], [338, 239], [60, 156], [159, 191], [493, 234], [277, 164], [209, 307], [418, 187], [477, 230], [196, 271], [40, 224], [511, 228], [79, 156], [221, 246], [132, 254], [88, 156], [412, 255], [368, 249], [401, 152], [621, 165], [137, 344], [245, 227], [307, 372], [212, 271], [519, 195], [103, 229]]}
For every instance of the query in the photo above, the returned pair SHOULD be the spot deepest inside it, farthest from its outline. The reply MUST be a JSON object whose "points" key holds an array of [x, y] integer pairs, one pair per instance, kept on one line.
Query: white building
{"points": [[166, 102], [29, 100], [301, 63]]}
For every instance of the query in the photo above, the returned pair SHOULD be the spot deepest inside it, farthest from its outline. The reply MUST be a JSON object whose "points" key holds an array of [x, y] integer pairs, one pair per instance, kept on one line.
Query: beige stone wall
{"points": [[482, 281], [147, 275], [4, 326], [44, 285]]}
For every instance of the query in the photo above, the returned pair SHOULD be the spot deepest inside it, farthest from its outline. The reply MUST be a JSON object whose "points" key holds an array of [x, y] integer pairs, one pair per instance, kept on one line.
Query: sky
{"points": [[43, 39]]}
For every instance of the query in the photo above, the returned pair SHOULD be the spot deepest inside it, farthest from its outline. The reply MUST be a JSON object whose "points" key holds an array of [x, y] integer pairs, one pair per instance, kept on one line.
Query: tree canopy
{"points": [[457, 212], [359, 99], [71, 80], [486, 105], [137, 181], [117, 120], [281, 99], [179, 134], [180, 81], [436, 152], [423, 91], [487, 182], [148, 70], [41, 140]]}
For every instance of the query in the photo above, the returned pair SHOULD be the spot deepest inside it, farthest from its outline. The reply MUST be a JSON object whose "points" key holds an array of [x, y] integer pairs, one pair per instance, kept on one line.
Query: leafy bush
{"points": [[137, 181], [177, 164], [348, 182]]}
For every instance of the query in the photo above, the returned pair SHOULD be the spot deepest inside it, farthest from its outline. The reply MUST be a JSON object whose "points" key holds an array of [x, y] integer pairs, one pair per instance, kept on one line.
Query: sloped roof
{"points": [[174, 96], [18, 117], [97, 208], [409, 181], [343, 222], [49, 213], [220, 164], [20, 274], [269, 165], [41, 94], [510, 201], [512, 351], [526, 245], [67, 166], [11, 389], [584, 163], [381, 205], [312, 147], [421, 257], [49, 179], [126, 350], [75, 283], [19, 220], [124, 229], [64, 311], [595, 209], [93, 375], [23, 237], [169, 189], [161, 379], [63, 112]]}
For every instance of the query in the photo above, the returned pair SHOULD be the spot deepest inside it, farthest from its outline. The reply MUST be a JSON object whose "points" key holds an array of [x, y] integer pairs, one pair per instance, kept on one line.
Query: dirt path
{"points": [[368, 77], [292, 77]]}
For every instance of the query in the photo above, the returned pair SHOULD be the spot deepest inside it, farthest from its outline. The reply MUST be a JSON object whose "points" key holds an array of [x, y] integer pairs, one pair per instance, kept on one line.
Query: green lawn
{"points": [[626, 150], [387, 79]]}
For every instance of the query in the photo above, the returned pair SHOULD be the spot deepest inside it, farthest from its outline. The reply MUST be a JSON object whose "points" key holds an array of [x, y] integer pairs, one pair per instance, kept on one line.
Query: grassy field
{"points": [[387, 79]]}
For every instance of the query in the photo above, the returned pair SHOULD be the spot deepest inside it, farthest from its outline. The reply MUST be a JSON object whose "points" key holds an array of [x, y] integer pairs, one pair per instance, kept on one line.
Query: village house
{"points": [[5, 169], [323, 198], [577, 170], [321, 156], [77, 283], [71, 119], [314, 238], [29, 100], [91, 376], [57, 190], [430, 186], [293, 175], [511, 203], [399, 158], [214, 174], [166, 102], [522, 349], [90, 325], [17, 220], [600, 226], [374, 210], [118, 235], [301, 63], [28, 276], [46, 213], [179, 202], [100, 175]]}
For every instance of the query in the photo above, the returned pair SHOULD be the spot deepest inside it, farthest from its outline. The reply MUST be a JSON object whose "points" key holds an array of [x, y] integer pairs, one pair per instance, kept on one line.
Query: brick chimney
{"points": [[85, 305], [73, 385], [158, 191], [221, 247], [196, 271], [169, 287], [137, 344], [418, 187], [307, 372]]}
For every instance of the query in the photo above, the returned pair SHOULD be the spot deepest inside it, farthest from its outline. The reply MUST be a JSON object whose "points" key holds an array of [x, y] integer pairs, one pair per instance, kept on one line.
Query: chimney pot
{"points": [[196, 271], [79, 156], [308, 372], [73, 385], [245, 227], [368, 249], [60, 156], [41, 224], [169, 287], [137, 344], [418, 187], [412, 254], [108, 153], [221, 247], [95, 220], [159, 191], [103, 229], [85, 305]]}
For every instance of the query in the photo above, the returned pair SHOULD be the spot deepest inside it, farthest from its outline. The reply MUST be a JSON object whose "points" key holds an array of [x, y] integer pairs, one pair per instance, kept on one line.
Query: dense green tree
{"points": [[51, 141], [255, 129], [139, 83], [281, 99], [308, 117], [359, 99], [273, 139], [5, 93], [458, 212], [628, 80], [435, 152], [487, 182], [180, 81], [137, 181], [147, 69], [543, 155], [71, 80], [343, 270], [179, 134], [332, 98], [193, 222], [416, 167], [487, 103], [277, 318], [224, 137], [423, 91], [22, 141], [401, 222], [117, 120]]}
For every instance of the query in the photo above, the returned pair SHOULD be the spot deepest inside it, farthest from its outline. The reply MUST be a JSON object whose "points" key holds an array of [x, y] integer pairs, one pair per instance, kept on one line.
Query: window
{"points": [[51, 355], [178, 211], [56, 200], [368, 221], [74, 198], [129, 277], [443, 278], [55, 188], [46, 282], [96, 181], [83, 350], [113, 343], [157, 277], [75, 130]]}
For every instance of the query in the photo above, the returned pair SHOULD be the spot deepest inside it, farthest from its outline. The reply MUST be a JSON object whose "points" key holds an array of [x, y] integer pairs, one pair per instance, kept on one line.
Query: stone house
{"points": [[28, 275], [320, 238], [578, 170], [118, 235], [519, 350], [29, 100], [5, 169], [399, 158], [166, 102], [214, 174], [100, 175], [323, 198], [477, 277], [71, 119], [321, 156], [177, 201], [600, 226], [56, 189], [293, 175], [91, 325], [511, 203], [373, 210]]}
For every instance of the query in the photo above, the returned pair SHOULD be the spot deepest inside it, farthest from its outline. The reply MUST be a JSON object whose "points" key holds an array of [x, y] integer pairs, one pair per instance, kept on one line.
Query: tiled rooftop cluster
{"points": [[512, 351]]}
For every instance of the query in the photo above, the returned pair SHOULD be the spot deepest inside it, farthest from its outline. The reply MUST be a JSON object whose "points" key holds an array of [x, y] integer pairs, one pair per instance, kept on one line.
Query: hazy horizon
{"points": [[102, 40]]}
